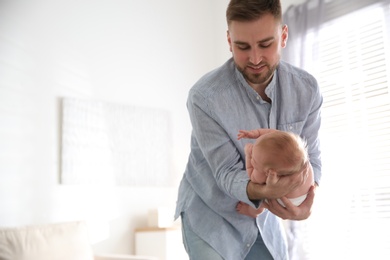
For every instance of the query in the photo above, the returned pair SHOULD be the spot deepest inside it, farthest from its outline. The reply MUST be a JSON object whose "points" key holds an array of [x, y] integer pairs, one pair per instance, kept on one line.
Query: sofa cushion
{"points": [[61, 241]]}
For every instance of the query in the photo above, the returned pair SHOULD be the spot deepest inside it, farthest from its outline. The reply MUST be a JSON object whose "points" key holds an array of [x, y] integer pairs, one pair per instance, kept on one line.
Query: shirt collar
{"points": [[269, 91]]}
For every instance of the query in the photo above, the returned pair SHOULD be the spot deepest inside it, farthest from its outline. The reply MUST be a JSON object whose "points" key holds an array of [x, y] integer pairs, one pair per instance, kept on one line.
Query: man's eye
{"points": [[243, 47], [265, 45]]}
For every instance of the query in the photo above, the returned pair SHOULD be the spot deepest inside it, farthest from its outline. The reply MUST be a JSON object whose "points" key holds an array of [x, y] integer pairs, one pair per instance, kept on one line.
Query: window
{"points": [[351, 216]]}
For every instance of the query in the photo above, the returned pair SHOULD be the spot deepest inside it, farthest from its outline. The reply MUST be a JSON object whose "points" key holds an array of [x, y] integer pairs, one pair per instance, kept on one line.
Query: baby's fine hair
{"points": [[288, 146]]}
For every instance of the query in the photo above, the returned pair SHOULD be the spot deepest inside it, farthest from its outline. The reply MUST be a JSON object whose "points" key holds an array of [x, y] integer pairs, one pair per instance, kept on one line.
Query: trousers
{"points": [[198, 249]]}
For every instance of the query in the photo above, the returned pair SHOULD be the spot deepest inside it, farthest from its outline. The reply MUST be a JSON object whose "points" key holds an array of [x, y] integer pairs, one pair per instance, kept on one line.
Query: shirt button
{"points": [[248, 245], [258, 97]]}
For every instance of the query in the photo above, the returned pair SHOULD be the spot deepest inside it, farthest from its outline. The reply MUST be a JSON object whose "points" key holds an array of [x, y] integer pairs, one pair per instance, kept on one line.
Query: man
{"points": [[252, 90]]}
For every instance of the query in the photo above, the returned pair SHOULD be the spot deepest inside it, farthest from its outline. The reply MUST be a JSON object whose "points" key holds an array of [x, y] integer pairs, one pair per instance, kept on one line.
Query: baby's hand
{"points": [[253, 134], [242, 134]]}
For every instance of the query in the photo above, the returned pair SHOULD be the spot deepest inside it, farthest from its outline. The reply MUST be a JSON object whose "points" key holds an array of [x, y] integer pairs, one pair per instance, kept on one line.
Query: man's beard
{"points": [[259, 78]]}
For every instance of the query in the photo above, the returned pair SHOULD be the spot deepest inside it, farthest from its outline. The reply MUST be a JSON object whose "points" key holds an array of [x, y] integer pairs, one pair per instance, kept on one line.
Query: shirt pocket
{"points": [[295, 127]]}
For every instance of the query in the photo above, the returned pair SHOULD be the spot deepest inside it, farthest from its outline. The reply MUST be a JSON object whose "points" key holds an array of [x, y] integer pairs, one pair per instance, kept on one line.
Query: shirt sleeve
{"points": [[218, 150], [311, 132]]}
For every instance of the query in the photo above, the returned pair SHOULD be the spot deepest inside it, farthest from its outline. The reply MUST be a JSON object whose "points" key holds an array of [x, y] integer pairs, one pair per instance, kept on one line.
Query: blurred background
{"points": [[148, 54]]}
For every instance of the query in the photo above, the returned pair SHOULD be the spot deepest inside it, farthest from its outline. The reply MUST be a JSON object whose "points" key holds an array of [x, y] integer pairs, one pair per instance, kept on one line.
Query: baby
{"points": [[276, 151]]}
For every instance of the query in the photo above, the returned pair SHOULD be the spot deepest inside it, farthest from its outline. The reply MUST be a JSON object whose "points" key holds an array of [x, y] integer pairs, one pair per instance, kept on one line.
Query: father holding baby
{"points": [[252, 90]]}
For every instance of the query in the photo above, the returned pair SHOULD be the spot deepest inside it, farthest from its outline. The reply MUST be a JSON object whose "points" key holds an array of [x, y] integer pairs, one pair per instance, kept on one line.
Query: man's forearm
{"points": [[255, 191]]}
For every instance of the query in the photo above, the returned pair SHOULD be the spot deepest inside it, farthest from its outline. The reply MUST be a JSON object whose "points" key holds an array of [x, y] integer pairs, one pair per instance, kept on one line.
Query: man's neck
{"points": [[260, 89]]}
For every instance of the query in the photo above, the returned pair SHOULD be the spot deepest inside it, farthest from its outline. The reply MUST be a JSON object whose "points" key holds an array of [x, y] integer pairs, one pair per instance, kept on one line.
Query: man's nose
{"points": [[256, 56]]}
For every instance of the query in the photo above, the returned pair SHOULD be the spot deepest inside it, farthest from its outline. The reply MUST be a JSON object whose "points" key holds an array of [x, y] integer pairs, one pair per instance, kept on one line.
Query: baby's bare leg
{"points": [[245, 209]]}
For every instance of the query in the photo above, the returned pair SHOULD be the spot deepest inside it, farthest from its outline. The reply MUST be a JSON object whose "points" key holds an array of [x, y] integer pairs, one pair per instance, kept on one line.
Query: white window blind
{"points": [[351, 217]]}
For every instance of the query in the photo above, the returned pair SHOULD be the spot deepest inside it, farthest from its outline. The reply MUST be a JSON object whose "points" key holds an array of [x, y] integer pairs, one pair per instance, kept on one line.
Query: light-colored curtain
{"points": [[301, 19], [307, 18]]}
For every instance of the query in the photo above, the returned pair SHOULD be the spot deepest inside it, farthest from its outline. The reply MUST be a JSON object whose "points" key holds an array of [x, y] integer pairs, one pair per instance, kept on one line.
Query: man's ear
{"points": [[284, 35], [229, 40]]}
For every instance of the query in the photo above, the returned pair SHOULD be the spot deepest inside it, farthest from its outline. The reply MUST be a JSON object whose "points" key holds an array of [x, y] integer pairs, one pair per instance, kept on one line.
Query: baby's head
{"points": [[283, 152]]}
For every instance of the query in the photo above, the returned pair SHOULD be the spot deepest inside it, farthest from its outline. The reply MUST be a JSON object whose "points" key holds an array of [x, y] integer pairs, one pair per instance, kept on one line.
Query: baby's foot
{"points": [[247, 210]]}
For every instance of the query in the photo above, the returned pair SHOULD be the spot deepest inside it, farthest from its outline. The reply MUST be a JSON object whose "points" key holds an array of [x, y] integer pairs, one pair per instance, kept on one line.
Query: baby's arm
{"points": [[253, 134]]}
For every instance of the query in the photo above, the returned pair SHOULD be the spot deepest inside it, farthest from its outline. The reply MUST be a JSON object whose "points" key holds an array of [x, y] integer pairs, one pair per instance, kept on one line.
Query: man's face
{"points": [[256, 48]]}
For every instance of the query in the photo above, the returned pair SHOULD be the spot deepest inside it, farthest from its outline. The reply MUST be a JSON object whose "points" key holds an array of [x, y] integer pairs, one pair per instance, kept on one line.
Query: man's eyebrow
{"points": [[240, 42], [262, 41], [267, 39]]}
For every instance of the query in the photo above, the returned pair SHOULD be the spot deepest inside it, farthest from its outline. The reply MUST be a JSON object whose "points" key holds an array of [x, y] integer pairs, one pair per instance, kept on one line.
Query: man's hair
{"points": [[251, 10]]}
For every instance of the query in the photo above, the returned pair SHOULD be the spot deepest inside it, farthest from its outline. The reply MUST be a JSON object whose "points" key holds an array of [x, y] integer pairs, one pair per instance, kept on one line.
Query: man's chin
{"points": [[262, 78], [256, 79]]}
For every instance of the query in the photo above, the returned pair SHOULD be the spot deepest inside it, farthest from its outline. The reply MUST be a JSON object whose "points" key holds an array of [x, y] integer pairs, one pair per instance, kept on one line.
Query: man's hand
{"points": [[276, 186], [279, 186], [291, 211]]}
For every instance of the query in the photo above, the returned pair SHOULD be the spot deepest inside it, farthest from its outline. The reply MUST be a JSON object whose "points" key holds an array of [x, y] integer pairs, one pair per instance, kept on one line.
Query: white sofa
{"points": [[60, 241]]}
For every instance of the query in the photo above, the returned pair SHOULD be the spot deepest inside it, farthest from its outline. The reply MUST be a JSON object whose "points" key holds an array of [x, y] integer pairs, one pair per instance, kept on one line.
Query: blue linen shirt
{"points": [[220, 104]]}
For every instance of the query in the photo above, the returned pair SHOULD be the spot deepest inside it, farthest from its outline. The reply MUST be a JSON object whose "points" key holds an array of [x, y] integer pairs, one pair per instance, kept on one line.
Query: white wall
{"points": [[145, 53]]}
